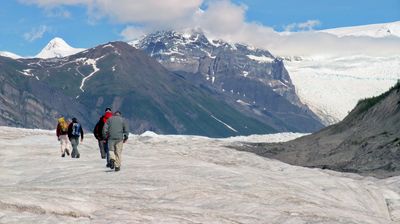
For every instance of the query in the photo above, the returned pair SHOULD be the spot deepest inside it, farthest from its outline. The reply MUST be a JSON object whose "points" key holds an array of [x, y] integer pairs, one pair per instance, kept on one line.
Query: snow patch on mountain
{"points": [[57, 48], [261, 59], [9, 55], [332, 86], [372, 30], [93, 63], [179, 179], [27, 72], [228, 126]]}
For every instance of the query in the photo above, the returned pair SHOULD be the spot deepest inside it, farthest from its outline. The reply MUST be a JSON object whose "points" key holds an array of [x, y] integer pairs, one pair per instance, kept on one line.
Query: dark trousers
{"points": [[104, 150], [107, 151]]}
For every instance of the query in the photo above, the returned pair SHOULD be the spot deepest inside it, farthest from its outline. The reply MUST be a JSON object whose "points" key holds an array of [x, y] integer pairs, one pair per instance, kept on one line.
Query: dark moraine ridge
{"points": [[366, 142]]}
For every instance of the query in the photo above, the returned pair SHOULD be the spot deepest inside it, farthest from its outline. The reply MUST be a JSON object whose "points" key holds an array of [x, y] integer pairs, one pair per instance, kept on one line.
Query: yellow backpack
{"points": [[63, 125]]}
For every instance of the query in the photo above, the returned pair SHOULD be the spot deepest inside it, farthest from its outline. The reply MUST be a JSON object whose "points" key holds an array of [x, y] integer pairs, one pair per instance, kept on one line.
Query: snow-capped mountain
{"points": [[373, 30], [193, 52], [117, 75], [9, 55], [251, 79], [179, 179], [57, 48]]}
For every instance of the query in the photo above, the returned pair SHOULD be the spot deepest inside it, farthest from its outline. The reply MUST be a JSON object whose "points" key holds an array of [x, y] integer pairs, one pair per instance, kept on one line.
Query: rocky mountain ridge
{"points": [[367, 141], [251, 79], [119, 76]]}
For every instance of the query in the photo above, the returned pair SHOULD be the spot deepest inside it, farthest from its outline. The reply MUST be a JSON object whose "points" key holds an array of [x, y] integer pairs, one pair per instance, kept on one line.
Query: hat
{"points": [[74, 119], [117, 112], [107, 109]]}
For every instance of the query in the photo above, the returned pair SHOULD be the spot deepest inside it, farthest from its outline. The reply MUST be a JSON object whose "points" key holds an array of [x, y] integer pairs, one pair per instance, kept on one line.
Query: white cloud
{"points": [[132, 33], [225, 20], [221, 17], [305, 26], [58, 12], [233, 27], [36, 33]]}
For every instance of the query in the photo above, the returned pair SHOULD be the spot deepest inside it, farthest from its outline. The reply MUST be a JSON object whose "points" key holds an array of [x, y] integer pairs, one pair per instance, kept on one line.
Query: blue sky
{"points": [[27, 25]]}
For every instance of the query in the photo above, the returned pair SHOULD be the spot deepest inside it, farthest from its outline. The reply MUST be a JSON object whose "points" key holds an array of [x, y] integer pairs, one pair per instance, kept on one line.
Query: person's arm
{"points": [[58, 131], [70, 130], [81, 132], [125, 129], [96, 131]]}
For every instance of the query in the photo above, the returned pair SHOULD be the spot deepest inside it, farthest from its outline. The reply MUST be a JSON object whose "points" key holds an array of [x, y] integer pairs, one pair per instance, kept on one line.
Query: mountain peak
{"points": [[57, 48], [57, 42]]}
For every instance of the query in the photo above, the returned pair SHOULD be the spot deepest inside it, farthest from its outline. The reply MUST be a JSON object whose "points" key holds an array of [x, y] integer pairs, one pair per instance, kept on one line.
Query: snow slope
{"points": [[178, 179], [372, 30], [332, 86], [9, 55], [57, 48]]}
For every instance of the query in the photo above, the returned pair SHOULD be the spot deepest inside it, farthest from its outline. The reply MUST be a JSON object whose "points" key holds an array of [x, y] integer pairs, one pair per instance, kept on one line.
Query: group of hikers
{"points": [[111, 131]]}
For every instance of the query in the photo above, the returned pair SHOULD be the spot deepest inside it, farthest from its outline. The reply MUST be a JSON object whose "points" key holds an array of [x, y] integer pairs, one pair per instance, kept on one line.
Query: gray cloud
{"points": [[130, 11]]}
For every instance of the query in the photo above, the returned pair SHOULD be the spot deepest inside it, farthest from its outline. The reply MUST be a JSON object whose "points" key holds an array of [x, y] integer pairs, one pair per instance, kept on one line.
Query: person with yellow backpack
{"points": [[62, 136]]}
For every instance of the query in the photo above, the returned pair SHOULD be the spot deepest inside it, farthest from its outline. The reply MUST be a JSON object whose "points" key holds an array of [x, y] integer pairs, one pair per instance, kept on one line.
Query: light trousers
{"points": [[115, 148], [65, 144]]}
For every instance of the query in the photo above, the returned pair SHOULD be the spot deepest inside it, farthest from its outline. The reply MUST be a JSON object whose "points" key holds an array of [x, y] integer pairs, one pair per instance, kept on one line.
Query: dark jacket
{"points": [[116, 129], [70, 130], [98, 129]]}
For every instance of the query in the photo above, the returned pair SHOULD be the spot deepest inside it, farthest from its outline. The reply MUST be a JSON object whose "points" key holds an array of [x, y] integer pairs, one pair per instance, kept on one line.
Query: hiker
{"points": [[74, 132], [62, 136], [116, 131], [98, 134]]}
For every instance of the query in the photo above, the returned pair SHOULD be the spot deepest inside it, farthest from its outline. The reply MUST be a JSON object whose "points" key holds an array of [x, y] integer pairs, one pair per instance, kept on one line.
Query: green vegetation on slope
{"points": [[366, 104]]}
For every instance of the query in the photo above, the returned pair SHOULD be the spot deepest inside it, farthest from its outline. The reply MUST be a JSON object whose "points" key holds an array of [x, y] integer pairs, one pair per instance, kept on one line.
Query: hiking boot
{"points": [[108, 165], [63, 155], [67, 152], [117, 169], [112, 164], [79, 155]]}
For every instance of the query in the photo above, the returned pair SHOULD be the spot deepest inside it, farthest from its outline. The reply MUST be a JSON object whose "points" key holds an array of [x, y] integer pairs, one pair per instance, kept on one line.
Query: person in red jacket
{"points": [[98, 134], [62, 136]]}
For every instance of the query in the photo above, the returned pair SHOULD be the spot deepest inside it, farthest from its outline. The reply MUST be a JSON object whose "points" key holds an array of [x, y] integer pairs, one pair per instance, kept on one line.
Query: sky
{"points": [[28, 25]]}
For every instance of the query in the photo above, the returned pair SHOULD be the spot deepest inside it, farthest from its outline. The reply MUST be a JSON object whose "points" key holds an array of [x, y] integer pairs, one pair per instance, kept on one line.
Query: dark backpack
{"points": [[76, 129], [98, 129]]}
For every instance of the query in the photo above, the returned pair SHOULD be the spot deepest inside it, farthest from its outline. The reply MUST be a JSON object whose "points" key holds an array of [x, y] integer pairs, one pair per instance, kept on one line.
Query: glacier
{"points": [[332, 85], [180, 179]]}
